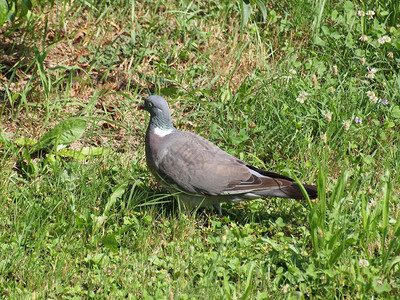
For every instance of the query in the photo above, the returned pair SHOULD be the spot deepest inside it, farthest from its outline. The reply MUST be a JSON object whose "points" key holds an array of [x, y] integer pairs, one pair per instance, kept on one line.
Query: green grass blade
{"points": [[387, 190], [249, 284]]}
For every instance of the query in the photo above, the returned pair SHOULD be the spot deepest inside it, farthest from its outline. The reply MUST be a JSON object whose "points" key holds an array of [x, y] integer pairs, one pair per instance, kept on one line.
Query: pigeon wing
{"points": [[195, 165]]}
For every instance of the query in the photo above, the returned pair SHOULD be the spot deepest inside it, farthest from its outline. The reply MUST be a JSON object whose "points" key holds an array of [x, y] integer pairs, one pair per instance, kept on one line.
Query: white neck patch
{"points": [[162, 132]]}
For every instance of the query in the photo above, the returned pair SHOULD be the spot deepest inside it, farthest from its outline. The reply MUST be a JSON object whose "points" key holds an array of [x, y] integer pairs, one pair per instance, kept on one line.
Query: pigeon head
{"points": [[159, 111]]}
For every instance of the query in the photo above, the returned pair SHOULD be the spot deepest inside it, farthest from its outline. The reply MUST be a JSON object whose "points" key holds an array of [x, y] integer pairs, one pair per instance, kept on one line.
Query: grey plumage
{"points": [[205, 174]]}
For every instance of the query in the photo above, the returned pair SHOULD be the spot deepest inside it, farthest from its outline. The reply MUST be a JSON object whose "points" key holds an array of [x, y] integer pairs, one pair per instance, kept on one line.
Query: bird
{"points": [[201, 173]]}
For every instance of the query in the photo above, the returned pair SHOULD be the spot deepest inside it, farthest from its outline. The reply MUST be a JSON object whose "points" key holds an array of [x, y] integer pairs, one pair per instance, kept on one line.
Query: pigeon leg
{"points": [[217, 208]]}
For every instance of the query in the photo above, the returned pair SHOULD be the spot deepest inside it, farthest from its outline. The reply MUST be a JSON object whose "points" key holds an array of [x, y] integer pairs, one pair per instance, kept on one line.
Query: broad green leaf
{"points": [[263, 9], [94, 258], [10, 16], [311, 271], [24, 142], [380, 286], [84, 152], [396, 112], [334, 14], [65, 132], [349, 41], [335, 35], [319, 42], [320, 68], [246, 11], [384, 13], [236, 140], [325, 30], [348, 5], [214, 131], [110, 242], [94, 151], [395, 261], [118, 191], [389, 124], [273, 17], [26, 5], [330, 273], [273, 244], [3, 11], [51, 158], [280, 222]]}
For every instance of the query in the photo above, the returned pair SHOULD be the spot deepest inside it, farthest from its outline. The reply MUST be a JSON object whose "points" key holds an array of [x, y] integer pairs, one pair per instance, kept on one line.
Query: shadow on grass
{"points": [[269, 212]]}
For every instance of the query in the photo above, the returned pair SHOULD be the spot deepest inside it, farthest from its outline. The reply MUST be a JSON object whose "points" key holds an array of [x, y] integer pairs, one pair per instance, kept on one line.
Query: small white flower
{"points": [[384, 39], [361, 13], [387, 39], [372, 202], [370, 94], [292, 71], [363, 38], [390, 55], [328, 116], [363, 263], [346, 125], [371, 73], [285, 288], [370, 14], [302, 97], [372, 97]]}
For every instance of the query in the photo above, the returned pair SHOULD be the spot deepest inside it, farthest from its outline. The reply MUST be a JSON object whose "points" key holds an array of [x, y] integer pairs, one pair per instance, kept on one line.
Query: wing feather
{"points": [[196, 166]]}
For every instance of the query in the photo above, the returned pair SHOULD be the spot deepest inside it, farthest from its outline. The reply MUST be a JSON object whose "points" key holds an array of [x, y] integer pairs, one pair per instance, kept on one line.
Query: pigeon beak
{"points": [[141, 107]]}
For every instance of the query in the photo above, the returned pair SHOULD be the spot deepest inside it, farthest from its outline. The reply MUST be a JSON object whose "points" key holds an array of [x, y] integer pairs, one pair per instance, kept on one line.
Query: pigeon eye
{"points": [[149, 104]]}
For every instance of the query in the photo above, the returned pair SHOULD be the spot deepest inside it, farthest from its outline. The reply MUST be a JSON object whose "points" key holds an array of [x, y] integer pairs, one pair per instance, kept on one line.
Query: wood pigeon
{"points": [[203, 173]]}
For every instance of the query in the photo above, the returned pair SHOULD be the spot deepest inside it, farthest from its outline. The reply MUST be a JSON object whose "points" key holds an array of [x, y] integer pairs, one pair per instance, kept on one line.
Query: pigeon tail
{"points": [[294, 191], [284, 191], [290, 191]]}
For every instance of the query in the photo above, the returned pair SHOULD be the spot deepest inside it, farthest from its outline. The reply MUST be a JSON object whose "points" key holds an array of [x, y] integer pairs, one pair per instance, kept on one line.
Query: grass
{"points": [[277, 84]]}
